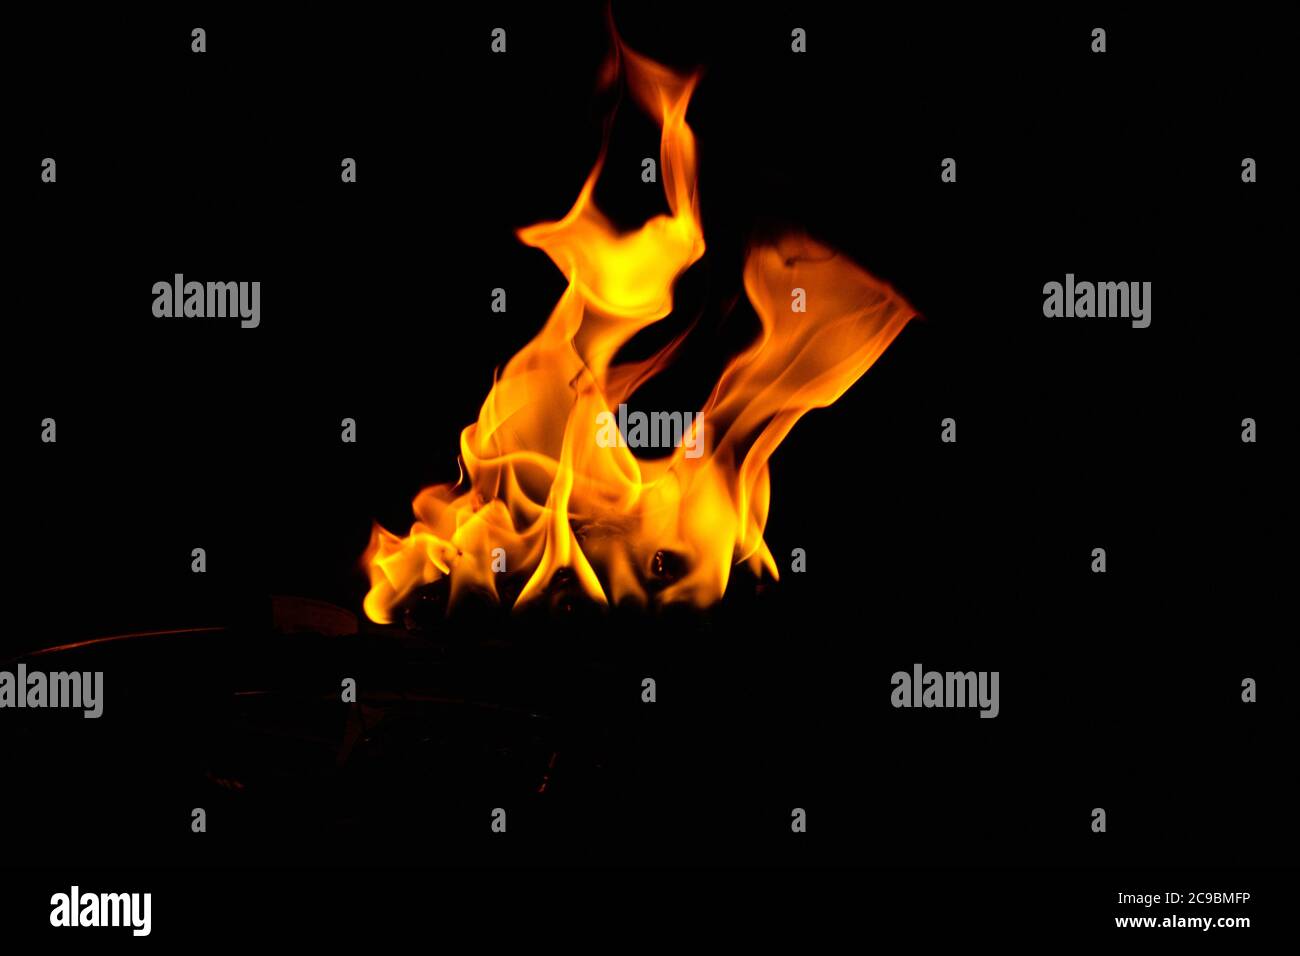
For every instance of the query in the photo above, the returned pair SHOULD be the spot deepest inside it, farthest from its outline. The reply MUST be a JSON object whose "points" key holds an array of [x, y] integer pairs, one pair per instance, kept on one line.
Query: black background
{"points": [[1119, 690]]}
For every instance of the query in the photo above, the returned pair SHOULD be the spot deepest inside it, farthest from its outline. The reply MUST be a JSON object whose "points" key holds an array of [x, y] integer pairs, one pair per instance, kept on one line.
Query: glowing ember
{"points": [[541, 497]]}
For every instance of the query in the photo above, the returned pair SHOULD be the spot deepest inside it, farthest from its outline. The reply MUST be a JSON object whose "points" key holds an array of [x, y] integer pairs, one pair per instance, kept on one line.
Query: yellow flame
{"points": [[539, 493]]}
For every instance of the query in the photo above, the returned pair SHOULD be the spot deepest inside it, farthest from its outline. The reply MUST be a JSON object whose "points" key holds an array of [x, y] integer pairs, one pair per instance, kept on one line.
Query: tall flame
{"points": [[537, 484]]}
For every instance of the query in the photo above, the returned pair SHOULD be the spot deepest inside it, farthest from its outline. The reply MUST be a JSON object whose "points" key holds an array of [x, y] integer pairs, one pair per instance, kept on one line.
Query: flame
{"points": [[536, 483]]}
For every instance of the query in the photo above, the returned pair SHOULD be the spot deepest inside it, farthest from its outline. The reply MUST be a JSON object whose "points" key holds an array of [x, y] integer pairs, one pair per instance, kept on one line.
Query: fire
{"points": [[538, 493]]}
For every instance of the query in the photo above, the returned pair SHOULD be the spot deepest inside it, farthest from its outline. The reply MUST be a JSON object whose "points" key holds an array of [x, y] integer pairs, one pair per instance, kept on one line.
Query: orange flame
{"points": [[536, 482]]}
